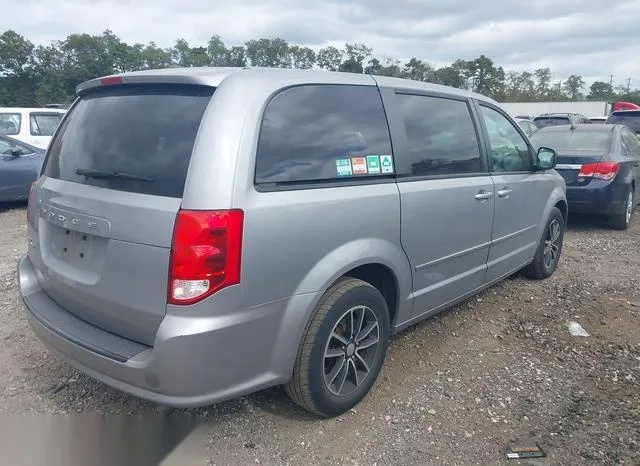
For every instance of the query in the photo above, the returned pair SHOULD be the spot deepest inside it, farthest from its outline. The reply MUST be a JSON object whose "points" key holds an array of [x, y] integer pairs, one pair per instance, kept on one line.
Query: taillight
{"points": [[205, 254], [601, 170]]}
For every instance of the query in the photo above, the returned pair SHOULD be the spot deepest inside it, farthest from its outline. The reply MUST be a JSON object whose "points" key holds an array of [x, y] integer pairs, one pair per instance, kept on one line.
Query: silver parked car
{"points": [[200, 234]]}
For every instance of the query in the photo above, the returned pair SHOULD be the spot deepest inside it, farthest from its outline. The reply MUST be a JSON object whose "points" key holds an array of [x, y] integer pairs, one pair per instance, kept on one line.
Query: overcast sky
{"points": [[593, 38]]}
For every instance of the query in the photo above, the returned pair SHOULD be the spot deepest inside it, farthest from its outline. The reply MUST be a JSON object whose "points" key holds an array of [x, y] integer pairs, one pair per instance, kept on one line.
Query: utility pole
{"points": [[628, 85], [610, 86]]}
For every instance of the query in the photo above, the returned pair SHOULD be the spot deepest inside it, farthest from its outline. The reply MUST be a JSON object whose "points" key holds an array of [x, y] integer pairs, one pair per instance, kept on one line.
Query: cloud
{"points": [[593, 38]]}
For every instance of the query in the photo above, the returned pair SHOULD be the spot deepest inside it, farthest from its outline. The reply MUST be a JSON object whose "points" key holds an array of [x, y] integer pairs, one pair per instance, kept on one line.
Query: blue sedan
{"points": [[601, 168], [20, 165]]}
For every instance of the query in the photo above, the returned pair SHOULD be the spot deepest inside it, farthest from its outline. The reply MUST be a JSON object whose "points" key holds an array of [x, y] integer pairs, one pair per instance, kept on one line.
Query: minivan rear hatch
{"points": [[107, 203]]}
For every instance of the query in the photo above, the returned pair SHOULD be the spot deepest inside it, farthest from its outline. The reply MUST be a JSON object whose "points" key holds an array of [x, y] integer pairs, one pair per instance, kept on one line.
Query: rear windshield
{"points": [[145, 133], [587, 141], [44, 124], [9, 124], [541, 122], [630, 119]]}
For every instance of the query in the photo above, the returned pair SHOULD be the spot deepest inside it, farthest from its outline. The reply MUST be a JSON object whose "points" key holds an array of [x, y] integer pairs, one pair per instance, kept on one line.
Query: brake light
{"points": [[111, 80], [601, 170], [205, 254]]}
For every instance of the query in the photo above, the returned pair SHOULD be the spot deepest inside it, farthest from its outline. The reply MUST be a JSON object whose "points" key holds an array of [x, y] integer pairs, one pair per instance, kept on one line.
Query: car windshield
{"points": [[630, 119], [541, 122], [9, 123], [572, 140]]}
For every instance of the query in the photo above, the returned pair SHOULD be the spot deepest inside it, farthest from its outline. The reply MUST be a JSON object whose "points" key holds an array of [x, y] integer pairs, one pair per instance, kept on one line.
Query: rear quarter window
{"points": [[317, 133], [143, 130], [44, 124]]}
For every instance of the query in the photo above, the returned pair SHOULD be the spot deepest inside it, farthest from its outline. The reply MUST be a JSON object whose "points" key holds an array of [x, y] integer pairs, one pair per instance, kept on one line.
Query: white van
{"points": [[34, 126]]}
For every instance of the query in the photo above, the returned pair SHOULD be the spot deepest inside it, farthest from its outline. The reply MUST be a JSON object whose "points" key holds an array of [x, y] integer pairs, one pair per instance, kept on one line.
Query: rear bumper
{"points": [[598, 197], [196, 359]]}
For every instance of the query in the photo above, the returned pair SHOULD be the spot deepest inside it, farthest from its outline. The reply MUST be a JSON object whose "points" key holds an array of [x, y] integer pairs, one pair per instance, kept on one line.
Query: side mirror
{"points": [[546, 159], [15, 152]]}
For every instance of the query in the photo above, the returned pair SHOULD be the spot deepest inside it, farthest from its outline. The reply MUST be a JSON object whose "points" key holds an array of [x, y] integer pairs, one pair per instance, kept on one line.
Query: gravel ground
{"points": [[456, 389]]}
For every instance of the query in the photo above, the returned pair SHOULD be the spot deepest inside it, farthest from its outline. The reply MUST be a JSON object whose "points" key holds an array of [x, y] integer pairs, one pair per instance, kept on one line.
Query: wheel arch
{"points": [[348, 260]]}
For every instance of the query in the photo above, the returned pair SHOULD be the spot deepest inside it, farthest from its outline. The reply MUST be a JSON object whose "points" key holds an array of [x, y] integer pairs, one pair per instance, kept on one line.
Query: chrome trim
{"points": [[455, 255], [568, 166], [474, 248], [511, 235]]}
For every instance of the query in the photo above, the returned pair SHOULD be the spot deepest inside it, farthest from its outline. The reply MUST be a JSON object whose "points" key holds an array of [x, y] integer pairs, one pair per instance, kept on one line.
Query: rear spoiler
{"points": [[211, 76]]}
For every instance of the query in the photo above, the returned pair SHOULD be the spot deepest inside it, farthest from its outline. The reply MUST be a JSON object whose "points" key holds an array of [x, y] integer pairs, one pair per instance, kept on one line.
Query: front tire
{"points": [[342, 350], [622, 220], [548, 253]]}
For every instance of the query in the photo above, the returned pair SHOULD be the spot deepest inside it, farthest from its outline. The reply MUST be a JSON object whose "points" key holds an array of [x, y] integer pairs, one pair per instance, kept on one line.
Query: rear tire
{"points": [[548, 253], [622, 220], [342, 350]]}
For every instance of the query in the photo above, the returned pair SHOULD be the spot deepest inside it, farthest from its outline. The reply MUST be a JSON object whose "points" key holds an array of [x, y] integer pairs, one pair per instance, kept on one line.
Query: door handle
{"points": [[483, 195], [506, 192]]}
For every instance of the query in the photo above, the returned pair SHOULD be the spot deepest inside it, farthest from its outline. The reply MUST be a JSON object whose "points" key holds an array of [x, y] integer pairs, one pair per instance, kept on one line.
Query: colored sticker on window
{"points": [[386, 164], [359, 165], [373, 164], [343, 167]]}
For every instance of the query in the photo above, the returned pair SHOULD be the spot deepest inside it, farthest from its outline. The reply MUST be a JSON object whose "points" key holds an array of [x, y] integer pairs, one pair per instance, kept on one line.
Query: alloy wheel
{"points": [[351, 350], [551, 244]]}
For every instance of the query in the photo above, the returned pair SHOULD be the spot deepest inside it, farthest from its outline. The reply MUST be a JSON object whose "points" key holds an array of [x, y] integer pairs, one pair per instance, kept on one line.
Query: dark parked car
{"points": [[555, 119], [630, 118], [600, 165], [19, 167]]}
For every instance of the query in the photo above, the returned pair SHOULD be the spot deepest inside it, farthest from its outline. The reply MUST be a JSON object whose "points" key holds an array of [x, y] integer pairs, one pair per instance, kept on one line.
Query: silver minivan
{"points": [[200, 234]]}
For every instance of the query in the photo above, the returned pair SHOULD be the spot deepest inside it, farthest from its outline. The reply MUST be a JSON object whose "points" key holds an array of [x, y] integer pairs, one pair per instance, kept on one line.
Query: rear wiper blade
{"points": [[91, 173]]}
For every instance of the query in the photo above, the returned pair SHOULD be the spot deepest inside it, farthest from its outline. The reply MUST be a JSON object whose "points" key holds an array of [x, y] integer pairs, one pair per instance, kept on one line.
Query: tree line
{"points": [[33, 75]]}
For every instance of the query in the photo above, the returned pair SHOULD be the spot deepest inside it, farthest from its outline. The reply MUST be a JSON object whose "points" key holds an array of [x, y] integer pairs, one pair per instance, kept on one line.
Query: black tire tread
{"points": [[298, 386], [619, 221], [535, 270]]}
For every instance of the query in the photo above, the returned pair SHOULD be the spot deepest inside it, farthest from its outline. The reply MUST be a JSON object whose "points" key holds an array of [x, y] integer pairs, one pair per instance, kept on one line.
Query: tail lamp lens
{"points": [[205, 254]]}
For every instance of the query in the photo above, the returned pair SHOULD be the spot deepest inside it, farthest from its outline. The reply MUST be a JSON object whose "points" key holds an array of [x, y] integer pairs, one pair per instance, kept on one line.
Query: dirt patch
{"points": [[456, 389]]}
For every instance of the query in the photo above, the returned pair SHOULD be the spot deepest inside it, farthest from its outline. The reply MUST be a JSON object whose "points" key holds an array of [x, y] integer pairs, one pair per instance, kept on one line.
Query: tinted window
{"points": [[441, 137], [10, 123], [44, 124], [508, 149], [145, 130], [323, 132], [541, 122], [573, 140], [628, 118], [630, 143]]}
